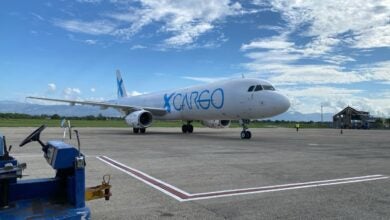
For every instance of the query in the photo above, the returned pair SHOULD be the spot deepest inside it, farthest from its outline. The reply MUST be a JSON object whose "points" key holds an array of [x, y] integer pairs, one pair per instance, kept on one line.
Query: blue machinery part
{"points": [[60, 197], [2, 141]]}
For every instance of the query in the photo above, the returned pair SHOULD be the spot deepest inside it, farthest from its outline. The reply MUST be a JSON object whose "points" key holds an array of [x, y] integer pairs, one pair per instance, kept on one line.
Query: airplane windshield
{"points": [[258, 88], [268, 87]]}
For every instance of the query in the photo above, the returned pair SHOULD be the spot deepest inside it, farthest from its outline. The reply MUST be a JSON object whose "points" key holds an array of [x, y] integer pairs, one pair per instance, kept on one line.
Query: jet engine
{"points": [[216, 123], [139, 119]]}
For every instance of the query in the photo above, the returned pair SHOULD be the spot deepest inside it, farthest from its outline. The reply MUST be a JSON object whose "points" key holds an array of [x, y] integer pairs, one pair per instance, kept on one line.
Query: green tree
{"points": [[55, 116]]}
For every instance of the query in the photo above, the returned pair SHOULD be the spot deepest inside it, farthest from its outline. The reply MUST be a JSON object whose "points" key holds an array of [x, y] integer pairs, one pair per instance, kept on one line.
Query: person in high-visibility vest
{"points": [[297, 126]]}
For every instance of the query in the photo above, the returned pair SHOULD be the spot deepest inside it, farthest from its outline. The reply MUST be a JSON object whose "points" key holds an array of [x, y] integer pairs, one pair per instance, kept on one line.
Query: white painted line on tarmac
{"points": [[183, 196], [210, 196], [296, 184], [147, 175], [40, 155], [26, 155], [133, 172]]}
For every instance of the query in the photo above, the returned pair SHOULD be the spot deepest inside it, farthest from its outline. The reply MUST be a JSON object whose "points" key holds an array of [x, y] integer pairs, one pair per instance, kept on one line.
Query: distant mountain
{"points": [[66, 110], [297, 116]]}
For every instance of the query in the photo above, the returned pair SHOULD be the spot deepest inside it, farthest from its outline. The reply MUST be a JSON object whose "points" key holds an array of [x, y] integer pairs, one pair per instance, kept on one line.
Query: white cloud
{"points": [[374, 37], [183, 21], [270, 27], [188, 33], [319, 46], [334, 99], [328, 26], [288, 74], [272, 56], [205, 79], [268, 43], [338, 59], [280, 48], [37, 16], [321, 91], [90, 42], [137, 47], [89, 1], [51, 87], [377, 71], [97, 27], [93, 90], [360, 19], [312, 74], [71, 93]]}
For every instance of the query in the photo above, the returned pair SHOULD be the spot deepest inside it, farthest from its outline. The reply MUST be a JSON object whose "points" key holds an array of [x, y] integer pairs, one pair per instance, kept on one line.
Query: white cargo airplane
{"points": [[214, 104]]}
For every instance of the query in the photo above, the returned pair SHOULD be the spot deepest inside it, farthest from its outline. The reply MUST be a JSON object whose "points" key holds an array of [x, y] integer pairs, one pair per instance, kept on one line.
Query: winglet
{"points": [[121, 88]]}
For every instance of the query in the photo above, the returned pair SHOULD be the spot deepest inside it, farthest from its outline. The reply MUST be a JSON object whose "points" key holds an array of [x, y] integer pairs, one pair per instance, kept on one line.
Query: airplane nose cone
{"points": [[283, 103]]}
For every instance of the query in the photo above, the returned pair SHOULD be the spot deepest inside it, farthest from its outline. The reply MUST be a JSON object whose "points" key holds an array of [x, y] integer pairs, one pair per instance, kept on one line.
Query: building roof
{"points": [[352, 111]]}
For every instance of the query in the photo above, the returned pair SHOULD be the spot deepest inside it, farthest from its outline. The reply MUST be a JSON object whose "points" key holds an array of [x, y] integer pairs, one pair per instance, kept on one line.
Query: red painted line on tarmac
{"points": [[184, 196]]}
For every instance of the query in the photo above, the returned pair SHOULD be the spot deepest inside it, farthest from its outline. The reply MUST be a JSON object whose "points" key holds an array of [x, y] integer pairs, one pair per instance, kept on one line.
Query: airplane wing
{"points": [[127, 109]]}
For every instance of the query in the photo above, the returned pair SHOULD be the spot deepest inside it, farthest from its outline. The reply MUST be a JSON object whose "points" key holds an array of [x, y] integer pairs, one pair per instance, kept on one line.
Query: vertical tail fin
{"points": [[121, 88]]}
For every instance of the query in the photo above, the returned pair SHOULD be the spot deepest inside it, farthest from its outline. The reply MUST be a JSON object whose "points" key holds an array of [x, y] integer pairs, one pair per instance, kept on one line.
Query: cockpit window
{"points": [[268, 87], [258, 88]]}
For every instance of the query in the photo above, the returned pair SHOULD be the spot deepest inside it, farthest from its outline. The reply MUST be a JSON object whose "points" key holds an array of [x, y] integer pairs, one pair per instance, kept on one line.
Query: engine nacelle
{"points": [[139, 119], [216, 123]]}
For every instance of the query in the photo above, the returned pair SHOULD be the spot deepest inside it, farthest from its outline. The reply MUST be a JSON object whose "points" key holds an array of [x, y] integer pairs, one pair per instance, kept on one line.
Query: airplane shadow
{"points": [[195, 135]]}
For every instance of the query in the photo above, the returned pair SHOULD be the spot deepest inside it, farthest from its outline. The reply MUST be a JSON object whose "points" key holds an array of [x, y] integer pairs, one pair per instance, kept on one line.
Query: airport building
{"points": [[352, 119]]}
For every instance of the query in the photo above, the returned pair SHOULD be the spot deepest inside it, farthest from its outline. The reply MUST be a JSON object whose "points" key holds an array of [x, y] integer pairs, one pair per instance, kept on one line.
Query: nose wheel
{"points": [[187, 128], [245, 134]]}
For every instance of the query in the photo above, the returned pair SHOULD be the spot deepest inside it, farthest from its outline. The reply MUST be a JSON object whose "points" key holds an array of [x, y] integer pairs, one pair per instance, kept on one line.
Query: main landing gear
{"points": [[244, 133], [187, 128], [139, 130]]}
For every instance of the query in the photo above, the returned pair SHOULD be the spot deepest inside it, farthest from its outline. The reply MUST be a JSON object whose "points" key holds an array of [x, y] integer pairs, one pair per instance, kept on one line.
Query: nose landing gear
{"points": [[245, 134], [187, 128]]}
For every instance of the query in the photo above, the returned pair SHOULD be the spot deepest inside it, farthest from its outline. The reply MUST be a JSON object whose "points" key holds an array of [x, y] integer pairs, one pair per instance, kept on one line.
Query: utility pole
{"points": [[322, 116]]}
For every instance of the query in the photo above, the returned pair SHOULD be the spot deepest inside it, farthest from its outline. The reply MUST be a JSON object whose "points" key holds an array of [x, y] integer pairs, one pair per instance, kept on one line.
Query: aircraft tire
{"points": [[190, 128], [184, 129], [142, 130], [243, 135], [135, 130], [248, 135]]}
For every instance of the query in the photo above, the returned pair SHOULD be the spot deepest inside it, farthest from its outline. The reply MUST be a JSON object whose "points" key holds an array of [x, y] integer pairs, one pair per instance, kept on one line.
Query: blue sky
{"points": [[334, 53]]}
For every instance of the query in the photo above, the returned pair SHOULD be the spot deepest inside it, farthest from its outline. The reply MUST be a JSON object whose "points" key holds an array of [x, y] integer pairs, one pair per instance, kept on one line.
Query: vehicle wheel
{"points": [[184, 129], [142, 130], [248, 135], [135, 130], [243, 135], [190, 128]]}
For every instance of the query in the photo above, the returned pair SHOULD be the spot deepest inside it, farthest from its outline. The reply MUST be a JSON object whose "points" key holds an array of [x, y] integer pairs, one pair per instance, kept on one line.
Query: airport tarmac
{"points": [[213, 174]]}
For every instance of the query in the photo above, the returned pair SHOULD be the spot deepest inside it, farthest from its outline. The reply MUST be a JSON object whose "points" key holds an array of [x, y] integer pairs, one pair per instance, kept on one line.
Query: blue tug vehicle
{"points": [[60, 197]]}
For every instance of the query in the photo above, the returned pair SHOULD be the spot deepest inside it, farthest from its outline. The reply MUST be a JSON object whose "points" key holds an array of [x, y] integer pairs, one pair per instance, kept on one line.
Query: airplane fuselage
{"points": [[224, 100]]}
